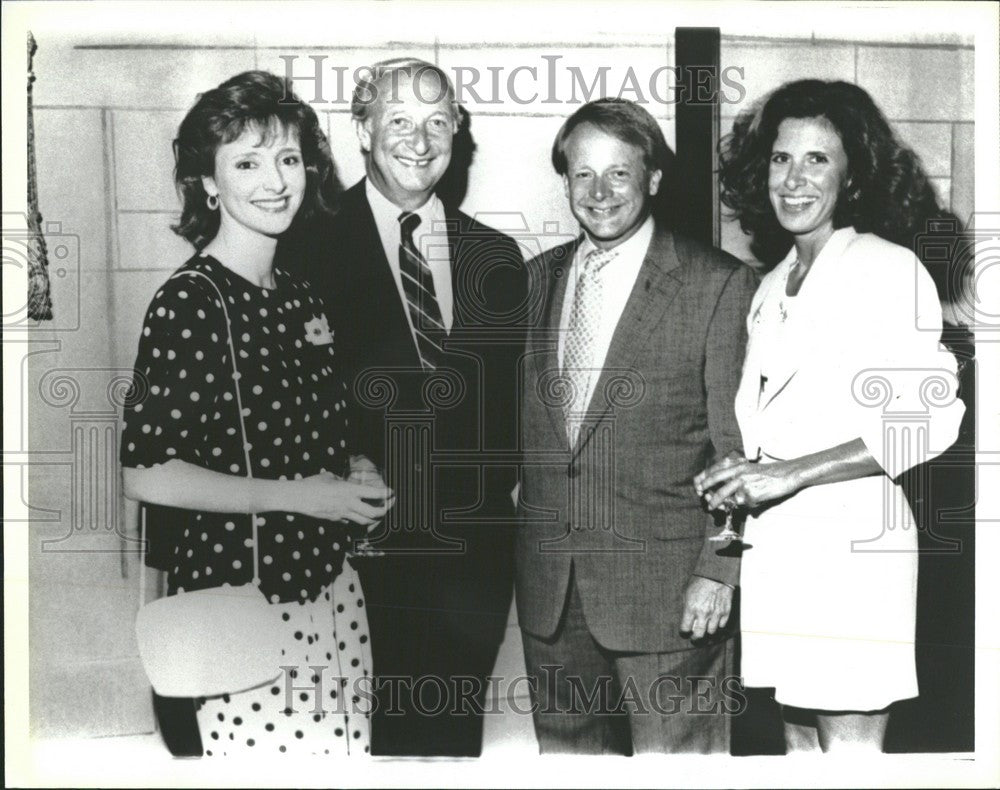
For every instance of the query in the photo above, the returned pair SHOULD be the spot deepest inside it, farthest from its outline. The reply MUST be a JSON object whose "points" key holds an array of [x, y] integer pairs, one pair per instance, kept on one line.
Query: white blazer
{"points": [[849, 361], [829, 575]]}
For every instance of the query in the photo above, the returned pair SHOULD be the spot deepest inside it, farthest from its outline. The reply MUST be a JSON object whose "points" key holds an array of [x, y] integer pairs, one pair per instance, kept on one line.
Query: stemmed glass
{"points": [[728, 532], [359, 544]]}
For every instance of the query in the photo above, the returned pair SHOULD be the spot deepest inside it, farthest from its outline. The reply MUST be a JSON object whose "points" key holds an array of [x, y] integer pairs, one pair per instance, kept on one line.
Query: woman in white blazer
{"points": [[844, 387]]}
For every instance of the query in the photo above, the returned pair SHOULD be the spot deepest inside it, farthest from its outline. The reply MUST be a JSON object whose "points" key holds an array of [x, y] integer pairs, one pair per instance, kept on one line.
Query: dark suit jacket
{"points": [[452, 433], [621, 504]]}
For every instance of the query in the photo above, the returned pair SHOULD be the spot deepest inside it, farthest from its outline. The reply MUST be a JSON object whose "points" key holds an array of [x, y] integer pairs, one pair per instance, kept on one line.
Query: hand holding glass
{"points": [[728, 506], [361, 545]]}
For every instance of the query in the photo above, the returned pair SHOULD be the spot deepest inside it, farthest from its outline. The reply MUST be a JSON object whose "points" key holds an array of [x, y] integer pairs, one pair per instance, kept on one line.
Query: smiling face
{"points": [[608, 185], [806, 176], [260, 180], [407, 137]]}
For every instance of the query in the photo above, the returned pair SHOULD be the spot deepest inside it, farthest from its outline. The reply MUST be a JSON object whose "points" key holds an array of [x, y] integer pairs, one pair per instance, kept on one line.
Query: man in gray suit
{"points": [[629, 381]]}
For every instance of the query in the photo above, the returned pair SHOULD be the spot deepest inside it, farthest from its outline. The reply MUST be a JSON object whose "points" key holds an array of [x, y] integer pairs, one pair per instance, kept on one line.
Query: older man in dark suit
{"points": [[426, 306], [629, 385]]}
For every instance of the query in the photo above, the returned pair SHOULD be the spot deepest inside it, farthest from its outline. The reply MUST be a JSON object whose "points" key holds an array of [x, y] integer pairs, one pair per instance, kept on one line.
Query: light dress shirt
{"points": [[617, 279], [430, 238]]}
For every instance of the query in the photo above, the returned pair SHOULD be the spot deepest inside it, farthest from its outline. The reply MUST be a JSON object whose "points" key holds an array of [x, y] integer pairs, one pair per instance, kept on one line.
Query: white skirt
{"points": [[828, 612], [321, 703]]}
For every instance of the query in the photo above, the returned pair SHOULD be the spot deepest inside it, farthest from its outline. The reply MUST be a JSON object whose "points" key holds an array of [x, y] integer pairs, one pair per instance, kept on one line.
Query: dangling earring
{"points": [[852, 194], [213, 202]]}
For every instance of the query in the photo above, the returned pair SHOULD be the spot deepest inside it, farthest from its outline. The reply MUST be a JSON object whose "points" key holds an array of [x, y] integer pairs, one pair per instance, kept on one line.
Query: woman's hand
{"points": [[747, 483], [364, 471], [328, 497], [735, 457]]}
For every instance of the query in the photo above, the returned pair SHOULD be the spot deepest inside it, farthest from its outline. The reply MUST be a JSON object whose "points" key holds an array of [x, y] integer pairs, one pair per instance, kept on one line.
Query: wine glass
{"points": [[361, 546], [729, 507], [728, 532], [359, 540]]}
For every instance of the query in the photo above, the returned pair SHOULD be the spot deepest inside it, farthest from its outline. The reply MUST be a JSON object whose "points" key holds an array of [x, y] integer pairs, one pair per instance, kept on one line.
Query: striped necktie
{"points": [[584, 323], [418, 285]]}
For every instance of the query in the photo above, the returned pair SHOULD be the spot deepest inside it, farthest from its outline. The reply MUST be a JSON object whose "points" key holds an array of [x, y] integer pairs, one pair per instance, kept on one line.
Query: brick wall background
{"points": [[106, 109]]}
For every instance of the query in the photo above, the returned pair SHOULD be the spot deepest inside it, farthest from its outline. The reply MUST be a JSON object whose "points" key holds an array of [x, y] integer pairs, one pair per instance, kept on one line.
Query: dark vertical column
{"points": [[696, 203], [695, 199]]}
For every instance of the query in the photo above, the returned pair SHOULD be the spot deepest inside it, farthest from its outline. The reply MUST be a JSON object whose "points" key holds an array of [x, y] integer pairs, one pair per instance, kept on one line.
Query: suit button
{"points": [[573, 470], [418, 468]]}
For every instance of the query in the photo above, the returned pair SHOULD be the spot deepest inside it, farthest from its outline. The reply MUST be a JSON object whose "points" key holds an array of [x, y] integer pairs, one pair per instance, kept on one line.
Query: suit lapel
{"points": [[806, 313], [782, 368], [456, 228], [655, 287], [377, 275], [545, 339]]}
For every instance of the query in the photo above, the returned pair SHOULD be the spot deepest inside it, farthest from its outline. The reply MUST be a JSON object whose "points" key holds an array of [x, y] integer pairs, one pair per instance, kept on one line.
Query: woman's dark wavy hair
{"points": [[887, 191], [254, 100]]}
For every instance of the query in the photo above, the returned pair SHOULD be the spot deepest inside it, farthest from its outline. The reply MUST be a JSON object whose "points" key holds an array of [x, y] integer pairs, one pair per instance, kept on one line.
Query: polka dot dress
{"points": [[184, 404], [321, 703]]}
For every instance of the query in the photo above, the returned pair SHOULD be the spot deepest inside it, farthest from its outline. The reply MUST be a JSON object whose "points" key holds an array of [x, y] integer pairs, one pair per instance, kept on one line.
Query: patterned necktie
{"points": [[418, 285], [584, 323]]}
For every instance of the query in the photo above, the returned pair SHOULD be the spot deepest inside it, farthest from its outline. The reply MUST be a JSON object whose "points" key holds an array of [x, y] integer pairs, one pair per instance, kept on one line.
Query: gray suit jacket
{"points": [[620, 507]]}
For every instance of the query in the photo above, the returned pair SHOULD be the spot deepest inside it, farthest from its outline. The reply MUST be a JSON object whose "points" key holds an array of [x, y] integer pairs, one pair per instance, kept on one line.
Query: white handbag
{"points": [[221, 640]]}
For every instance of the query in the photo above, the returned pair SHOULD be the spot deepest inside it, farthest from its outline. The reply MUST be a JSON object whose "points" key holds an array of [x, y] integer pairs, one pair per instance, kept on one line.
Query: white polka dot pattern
{"points": [[330, 632], [293, 408]]}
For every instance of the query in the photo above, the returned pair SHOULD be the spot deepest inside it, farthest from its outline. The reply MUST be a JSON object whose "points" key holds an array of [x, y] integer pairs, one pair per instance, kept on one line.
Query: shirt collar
{"points": [[387, 213], [638, 244], [835, 245]]}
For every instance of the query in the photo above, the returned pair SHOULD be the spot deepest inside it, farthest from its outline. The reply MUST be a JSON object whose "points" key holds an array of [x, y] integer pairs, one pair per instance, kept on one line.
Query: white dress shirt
{"points": [[430, 238], [617, 279]]}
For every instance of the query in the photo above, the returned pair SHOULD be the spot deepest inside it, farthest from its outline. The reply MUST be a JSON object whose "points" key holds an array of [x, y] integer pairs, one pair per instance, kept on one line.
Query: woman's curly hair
{"points": [[254, 100], [887, 191]]}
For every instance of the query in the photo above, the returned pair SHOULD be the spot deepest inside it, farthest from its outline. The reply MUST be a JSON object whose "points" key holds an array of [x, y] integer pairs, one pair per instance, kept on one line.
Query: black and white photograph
{"points": [[425, 394]]}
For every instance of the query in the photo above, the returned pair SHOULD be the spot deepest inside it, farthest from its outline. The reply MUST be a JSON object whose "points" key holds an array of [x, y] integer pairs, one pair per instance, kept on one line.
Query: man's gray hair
{"points": [[382, 78]]}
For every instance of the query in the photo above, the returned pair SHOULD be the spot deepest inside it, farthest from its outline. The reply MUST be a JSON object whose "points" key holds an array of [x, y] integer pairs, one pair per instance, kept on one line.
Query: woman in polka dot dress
{"points": [[247, 162]]}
